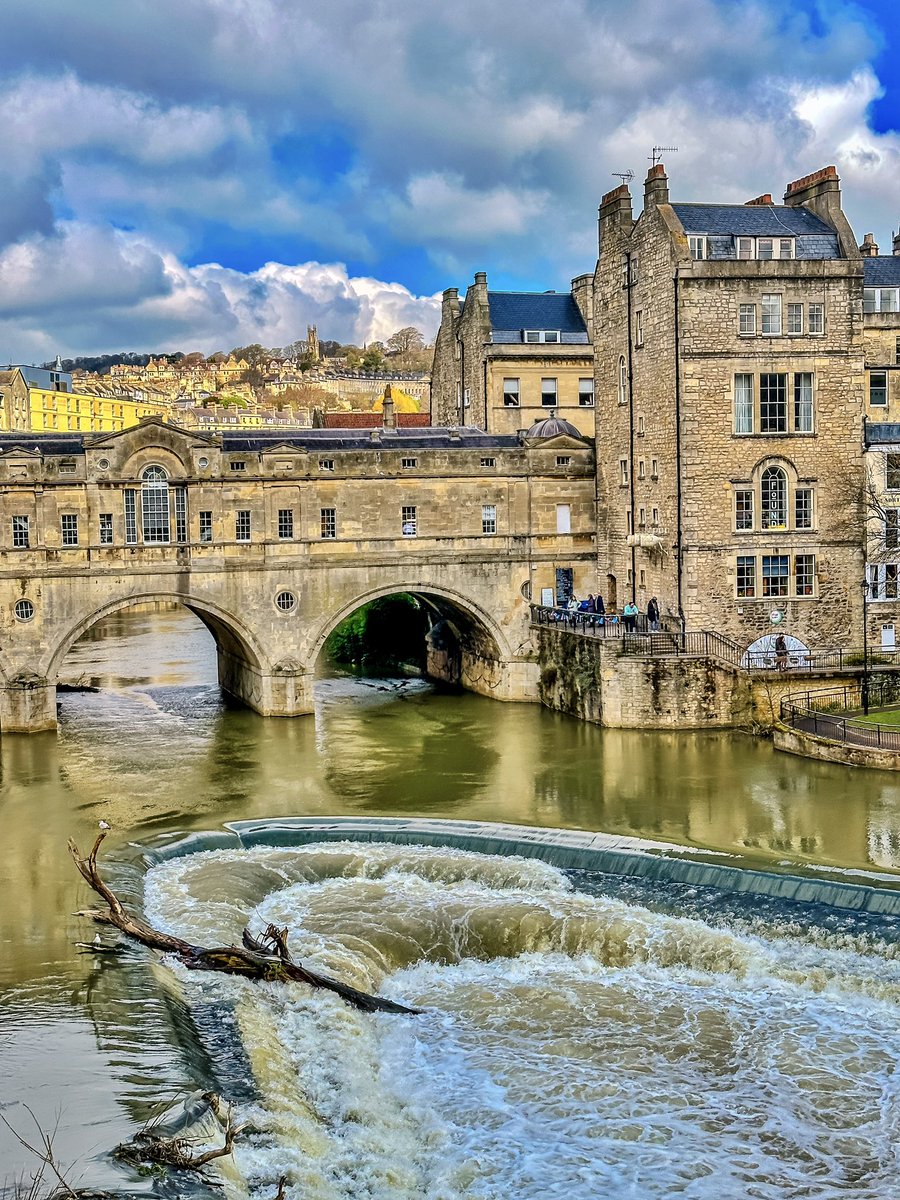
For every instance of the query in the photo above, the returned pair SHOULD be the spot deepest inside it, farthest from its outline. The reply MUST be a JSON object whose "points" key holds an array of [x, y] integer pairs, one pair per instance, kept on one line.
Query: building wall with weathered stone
{"points": [[566, 364]]}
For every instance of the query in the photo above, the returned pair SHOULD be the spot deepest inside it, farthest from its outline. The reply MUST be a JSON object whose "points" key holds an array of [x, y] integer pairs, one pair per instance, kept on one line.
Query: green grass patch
{"points": [[884, 716]]}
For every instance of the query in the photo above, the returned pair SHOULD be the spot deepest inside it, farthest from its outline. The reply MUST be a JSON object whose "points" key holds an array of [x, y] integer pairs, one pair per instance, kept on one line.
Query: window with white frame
{"points": [[285, 524], [242, 525], [130, 499], [68, 525], [489, 518], [743, 508], [794, 318], [877, 300], [541, 335], [747, 318], [622, 387], [746, 576], [743, 403], [773, 498], [408, 520], [623, 471], [803, 508], [803, 402], [408, 464], [489, 462], [106, 529], [771, 314], [654, 468], [20, 533], [765, 247], [328, 522], [548, 393], [586, 393], [237, 464], [206, 525], [641, 469], [511, 393], [776, 577], [816, 319], [773, 403], [155, 505], [179, 504], [697, 244], [639, 328], [891, 529], [746, 247], [563, 518], [878, 396], [804, 574], [564, 460], [326, 464]]}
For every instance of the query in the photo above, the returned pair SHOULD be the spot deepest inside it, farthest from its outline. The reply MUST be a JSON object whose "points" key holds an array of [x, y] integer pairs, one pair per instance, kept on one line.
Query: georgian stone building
{"points": [[272, 539], [502, 360], [730, 386]]}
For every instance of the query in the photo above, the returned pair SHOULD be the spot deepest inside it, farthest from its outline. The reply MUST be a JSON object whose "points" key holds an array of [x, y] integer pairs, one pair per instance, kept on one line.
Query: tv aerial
{"points": [[658, 151], [625, 176]]}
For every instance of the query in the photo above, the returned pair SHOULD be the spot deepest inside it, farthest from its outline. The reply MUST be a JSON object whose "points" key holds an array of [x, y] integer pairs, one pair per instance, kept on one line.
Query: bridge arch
{"points": [[231, 635], [452, 605]]}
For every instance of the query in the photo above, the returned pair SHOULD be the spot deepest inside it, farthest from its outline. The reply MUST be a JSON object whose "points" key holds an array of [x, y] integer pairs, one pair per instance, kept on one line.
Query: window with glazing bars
{"points": [[773, 403], [804, 574], [206, 526], [489, 518], [179, 495], [285, 524], [548, 392], [747, 318], [328, 522], [878, 388], [891, 529], [586, 393], [892, 471], [68, 523], [803, 508], [746, 576], [773, 495], [743, 404], [775, 574], [130, 516], [816, 322], [408, 520], [743, 508], [771, 314], [803, 402], [20, 533], [106, 529], [242, 525], [795, 318]]}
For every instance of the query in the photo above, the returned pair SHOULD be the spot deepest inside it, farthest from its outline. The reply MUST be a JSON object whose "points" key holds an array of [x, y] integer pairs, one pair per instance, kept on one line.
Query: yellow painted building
{"points": [[48, 406]]}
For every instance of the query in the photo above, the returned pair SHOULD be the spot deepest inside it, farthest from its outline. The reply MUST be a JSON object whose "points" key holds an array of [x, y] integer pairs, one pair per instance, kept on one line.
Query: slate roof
{"points": [[432, 438], [883, 271], [751, 220], [512, 312], [42, 443]]}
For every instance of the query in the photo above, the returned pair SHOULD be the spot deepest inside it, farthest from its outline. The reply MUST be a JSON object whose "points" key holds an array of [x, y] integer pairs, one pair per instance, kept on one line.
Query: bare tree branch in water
{"points": [[155, 1149], [266, 958]]}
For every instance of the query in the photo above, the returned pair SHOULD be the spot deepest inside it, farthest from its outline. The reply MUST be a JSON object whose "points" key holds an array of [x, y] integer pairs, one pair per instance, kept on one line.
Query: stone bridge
{"points": [[272, 541]]}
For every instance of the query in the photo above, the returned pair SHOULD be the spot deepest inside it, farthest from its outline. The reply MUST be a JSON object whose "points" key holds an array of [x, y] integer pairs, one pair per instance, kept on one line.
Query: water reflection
{"points": [[158, 749]]}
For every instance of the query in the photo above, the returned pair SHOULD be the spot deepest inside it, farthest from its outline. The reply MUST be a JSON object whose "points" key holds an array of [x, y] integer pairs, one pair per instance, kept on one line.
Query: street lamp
{"points": [[865, 677]]}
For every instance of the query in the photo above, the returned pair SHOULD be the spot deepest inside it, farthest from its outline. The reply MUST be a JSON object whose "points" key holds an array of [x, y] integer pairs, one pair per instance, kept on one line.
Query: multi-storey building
{"points": [[42, 400], [881, 332], [502, 360], [731, 387]]}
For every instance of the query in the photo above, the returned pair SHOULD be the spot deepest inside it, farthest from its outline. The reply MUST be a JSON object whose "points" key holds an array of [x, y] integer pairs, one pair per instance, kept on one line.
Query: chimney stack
{"points": [[615, 210], [869, 247], [389, 420], [897, 242], [765, 198], [656, 186]]}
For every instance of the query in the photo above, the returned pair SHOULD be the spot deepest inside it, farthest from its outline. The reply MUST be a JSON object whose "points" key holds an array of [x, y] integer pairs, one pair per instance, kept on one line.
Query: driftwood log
{"points": [[266, 957]]}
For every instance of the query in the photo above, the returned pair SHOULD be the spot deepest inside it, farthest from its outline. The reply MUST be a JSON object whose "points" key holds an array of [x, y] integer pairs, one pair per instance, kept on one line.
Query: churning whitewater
{"points": [[573, 1044]]}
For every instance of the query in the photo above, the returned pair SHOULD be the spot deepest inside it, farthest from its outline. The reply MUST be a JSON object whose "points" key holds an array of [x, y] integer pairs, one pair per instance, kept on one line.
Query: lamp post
{"points": [[865, 676]]}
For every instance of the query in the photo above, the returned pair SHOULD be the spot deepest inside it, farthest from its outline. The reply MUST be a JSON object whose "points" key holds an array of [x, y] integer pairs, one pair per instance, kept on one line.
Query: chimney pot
{"points": [[481, 279], [869, 247], [765, 198]]}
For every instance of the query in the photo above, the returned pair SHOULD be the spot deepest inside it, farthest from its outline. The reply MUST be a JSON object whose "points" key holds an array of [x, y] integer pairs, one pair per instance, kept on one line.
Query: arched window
{"points": [[623, 381], [774, 493], [155, 505]]}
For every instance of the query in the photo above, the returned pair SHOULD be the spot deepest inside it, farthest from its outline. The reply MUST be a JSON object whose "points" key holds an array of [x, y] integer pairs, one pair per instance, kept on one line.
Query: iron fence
{"points": [[833, 713]]}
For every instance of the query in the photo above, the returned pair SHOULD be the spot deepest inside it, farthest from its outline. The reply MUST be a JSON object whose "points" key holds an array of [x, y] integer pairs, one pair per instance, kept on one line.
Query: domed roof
{"points": [[553, 427]]}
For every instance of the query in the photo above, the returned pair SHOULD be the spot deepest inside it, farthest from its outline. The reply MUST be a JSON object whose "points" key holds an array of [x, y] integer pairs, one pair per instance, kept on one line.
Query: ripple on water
{"points": [[574, 1044]]}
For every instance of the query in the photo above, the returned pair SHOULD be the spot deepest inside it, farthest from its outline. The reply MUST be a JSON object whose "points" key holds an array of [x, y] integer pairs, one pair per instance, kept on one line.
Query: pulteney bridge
{"points": [[272, 540]]}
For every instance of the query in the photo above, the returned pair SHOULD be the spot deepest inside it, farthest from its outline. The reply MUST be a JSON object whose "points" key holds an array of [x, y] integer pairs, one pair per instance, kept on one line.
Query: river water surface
{"points": [[583, 1035]]}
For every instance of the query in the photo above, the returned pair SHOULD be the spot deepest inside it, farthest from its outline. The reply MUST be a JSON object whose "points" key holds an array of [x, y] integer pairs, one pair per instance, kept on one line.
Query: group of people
{"points": [[630, 612]]}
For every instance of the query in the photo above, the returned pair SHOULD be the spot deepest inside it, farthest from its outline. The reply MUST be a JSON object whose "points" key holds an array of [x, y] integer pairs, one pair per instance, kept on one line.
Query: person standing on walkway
{"points": [[653, 615], [629, 616], [781, 653]]}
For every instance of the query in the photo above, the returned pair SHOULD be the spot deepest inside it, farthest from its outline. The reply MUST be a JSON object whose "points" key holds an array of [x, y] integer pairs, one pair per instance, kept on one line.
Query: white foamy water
{"points": [[572, 1045]]}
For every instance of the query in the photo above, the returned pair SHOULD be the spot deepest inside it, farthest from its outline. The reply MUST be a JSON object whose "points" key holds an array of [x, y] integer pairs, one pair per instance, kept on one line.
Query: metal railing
{"points": [[833, 713], [669, 640]]}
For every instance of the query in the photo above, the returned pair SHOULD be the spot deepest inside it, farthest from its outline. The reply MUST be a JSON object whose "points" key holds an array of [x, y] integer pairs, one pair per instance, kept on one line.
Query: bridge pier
{"points": [[285, 690], [27, 704]]}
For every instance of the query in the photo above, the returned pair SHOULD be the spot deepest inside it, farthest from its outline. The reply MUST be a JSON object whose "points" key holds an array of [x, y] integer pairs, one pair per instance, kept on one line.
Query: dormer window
{"points": [[541, 335], [881, 300], [697, 243], [764, 247]]}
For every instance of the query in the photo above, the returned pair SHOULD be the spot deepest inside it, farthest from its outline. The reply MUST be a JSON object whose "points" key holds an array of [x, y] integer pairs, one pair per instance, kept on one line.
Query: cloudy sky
{"points": [[199, 174]]}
